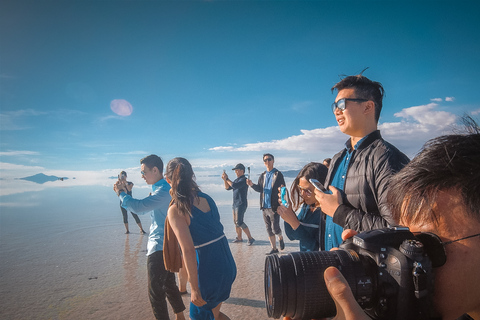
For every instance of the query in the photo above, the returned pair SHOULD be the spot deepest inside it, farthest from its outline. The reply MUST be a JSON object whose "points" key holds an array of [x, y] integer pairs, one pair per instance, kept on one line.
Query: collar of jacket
{"points": [[368, 139]]}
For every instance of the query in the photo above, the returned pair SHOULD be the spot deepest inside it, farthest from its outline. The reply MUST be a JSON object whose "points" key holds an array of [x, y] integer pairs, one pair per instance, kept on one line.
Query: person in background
{"points": [[240, 203], [359, 175], [161, 283], [128, 188], [437, 192], [326, 162], [195, 221], [309, 226], [268, 184]]}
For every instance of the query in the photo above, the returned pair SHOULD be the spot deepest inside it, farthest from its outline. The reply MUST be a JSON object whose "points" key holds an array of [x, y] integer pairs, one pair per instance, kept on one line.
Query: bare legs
{"points": [[273, 242], [239, 233], [141, 228], [219, 315]]}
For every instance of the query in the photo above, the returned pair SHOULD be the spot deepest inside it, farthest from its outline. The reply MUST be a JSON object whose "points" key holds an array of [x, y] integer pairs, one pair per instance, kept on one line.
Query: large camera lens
{"points": [[294, 285]]}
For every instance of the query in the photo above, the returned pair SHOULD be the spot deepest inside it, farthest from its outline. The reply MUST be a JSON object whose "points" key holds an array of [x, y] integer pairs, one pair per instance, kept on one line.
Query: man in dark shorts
{"points": [[268, 184], [240, 190]]}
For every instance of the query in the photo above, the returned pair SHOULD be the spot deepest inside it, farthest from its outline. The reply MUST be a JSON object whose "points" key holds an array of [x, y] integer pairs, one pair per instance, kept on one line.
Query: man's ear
{"points": [[369, 107]]}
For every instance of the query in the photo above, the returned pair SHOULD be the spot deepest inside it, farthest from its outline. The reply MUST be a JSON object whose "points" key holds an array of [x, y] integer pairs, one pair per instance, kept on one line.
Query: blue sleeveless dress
{"points": [[215, 264]]}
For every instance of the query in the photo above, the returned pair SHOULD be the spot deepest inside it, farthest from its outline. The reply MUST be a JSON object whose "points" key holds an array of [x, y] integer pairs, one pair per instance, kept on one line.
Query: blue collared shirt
{"points": [[157, 204], [333, 232], [267, 189]]}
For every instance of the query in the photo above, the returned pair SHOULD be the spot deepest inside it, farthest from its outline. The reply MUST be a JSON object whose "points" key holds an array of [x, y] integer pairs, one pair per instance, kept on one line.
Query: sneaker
{"points": [[237, 240], [272, 251], [251, 241], [282, 244]]}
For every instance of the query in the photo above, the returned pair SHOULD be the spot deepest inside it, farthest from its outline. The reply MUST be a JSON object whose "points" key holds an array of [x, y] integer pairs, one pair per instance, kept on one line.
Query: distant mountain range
{"points": [[291, 173], [42, 178]]}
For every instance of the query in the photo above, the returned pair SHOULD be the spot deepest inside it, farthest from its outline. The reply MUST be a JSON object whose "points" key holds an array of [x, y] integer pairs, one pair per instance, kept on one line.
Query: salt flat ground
{"points": [[67, 257]]}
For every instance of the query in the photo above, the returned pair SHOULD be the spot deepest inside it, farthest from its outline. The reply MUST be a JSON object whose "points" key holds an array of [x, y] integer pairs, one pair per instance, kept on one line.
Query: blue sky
{"points": [[221, 82]]}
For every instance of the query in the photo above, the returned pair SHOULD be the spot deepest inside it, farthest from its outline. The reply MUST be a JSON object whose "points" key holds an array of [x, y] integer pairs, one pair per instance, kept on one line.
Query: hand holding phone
{"points": [[318, 185]]}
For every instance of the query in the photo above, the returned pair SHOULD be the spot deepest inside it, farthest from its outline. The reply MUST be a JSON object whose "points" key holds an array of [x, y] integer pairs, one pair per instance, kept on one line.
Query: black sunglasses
{"points": [[342, 103]]}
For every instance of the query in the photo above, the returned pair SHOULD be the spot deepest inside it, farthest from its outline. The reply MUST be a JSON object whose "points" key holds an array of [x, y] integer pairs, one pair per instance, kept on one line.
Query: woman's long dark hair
{"points": [[313, 170], [184, 188]]}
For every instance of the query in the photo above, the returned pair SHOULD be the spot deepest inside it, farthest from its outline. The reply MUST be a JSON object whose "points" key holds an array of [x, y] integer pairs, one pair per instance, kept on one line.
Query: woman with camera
{"points": [[307, 226], [195, 221]]}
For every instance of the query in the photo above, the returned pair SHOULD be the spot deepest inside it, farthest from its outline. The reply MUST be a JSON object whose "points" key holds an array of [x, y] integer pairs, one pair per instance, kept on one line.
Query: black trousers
{"points": [[161, 284]]}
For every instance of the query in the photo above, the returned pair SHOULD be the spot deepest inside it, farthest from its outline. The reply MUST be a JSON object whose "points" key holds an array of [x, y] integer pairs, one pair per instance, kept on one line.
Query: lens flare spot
{"points": [[121, 107]]}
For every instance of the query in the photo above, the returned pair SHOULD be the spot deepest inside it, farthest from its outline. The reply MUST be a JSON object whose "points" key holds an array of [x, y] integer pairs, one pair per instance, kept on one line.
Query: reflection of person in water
{"points": [[129, 186], [130, 264]]}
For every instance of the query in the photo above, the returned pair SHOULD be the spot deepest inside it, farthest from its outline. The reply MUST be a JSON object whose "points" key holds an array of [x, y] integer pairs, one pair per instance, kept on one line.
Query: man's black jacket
{"points": [[364, 198]]}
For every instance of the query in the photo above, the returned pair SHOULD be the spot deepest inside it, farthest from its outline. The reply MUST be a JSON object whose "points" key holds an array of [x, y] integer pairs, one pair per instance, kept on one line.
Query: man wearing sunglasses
{"points": [[268, 184], [437, 192], [358, 175]]}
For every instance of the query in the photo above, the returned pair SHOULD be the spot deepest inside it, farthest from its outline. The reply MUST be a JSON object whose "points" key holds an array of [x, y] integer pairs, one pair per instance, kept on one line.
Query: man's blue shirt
{"points": [[157, 204], [267, 189], [333, 232]]}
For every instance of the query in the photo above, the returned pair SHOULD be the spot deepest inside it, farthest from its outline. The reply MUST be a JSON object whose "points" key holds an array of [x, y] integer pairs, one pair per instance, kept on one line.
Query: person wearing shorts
{"points": [[240, 204], [268, 184]]}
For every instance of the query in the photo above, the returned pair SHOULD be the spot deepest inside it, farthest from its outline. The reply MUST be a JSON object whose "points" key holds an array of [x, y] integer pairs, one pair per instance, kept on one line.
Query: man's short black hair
{"points": [[364, 89], [153, 161], [449, 162]]}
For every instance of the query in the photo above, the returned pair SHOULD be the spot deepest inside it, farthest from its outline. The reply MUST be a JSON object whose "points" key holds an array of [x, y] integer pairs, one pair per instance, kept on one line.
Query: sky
{"points": [[87, 88]]}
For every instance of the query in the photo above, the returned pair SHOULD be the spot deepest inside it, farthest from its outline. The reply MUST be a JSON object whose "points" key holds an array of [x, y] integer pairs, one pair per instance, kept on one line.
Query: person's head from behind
{"points": [[179, 174], [152, 169], [326, 162], [268, 160], [358, 104], [439, 192], [302, 191]]}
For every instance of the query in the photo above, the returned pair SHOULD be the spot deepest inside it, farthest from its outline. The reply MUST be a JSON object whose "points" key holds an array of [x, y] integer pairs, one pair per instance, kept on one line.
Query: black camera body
{"points": [[388, 270]]}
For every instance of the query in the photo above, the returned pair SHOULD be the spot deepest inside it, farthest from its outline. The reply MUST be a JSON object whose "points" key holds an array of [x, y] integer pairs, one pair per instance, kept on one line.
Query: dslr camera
{"points": [[390, 272]]}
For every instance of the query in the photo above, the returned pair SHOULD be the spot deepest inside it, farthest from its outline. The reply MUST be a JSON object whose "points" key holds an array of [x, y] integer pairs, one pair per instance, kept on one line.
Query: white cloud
{"points": [[18, 153], [450, 99], [230, 148], [110, 117], [418, 124], [476, 112], [308, 140], [9, 120], [426, 115], [436, 100]]}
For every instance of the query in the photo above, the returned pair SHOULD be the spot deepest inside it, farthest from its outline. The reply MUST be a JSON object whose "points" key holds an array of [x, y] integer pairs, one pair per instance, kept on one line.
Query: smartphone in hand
{"points": [[283, 196], [318, 185]]}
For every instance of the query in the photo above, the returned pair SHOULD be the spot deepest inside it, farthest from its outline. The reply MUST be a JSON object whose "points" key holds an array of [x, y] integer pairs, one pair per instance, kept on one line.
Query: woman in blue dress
{"points": [[307, 226], [195, 220]]}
